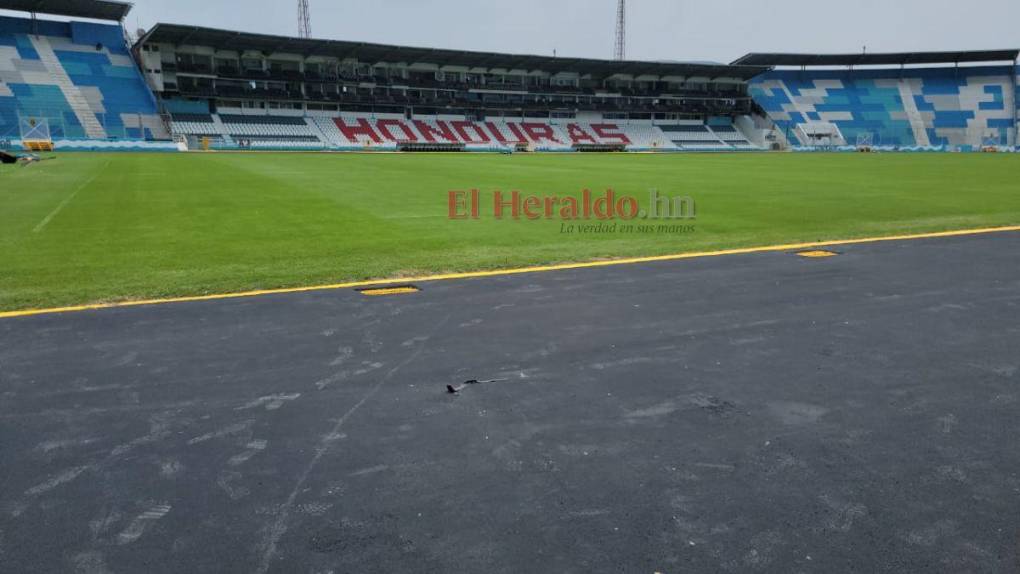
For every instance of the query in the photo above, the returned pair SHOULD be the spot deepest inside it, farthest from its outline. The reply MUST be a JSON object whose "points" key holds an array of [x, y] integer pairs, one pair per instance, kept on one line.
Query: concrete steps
{"points": [[913, 115], [317, 131], [79, 104]]}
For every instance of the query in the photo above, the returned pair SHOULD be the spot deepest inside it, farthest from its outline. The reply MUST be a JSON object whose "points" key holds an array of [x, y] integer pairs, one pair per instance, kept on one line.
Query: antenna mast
{"points": [[621, 31], [304, 20]]}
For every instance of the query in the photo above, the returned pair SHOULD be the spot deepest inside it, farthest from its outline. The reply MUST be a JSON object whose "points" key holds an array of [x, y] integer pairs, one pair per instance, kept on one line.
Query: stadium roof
{"points": [[898, 59], [367, 52], [96, 9]]}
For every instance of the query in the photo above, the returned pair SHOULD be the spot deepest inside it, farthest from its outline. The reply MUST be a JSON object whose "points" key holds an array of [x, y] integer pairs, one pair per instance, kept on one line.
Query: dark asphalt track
{"points": [[753, 413]]}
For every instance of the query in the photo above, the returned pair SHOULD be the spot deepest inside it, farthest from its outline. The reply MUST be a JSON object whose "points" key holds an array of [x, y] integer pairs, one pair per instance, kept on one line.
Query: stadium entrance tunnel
{"points": [[383, 291]]}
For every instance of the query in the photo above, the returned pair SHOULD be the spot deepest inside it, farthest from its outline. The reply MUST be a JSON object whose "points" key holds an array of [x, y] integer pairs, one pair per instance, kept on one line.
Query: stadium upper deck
{"points": [[240, 70]]}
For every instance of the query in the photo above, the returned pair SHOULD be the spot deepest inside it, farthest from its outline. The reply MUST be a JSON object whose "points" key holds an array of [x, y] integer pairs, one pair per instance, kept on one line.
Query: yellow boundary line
{"points": [[503, 272]]}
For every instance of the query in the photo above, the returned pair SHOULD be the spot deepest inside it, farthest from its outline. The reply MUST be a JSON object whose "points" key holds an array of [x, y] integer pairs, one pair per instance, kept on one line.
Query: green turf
{"points": [[139, 226]]}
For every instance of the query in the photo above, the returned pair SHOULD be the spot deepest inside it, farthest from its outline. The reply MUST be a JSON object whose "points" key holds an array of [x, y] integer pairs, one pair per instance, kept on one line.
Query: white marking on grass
{"points": [[68, 199]]}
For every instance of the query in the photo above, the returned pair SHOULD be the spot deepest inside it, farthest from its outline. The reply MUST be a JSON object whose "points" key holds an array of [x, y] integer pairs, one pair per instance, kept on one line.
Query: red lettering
{"points": [[499, 205], [578, 135], [516, 129], [550, 206], [462, 127], [442, 130], [457, 201], [352, 132], [496, 133], [539, 132], [384, 128], [569, 209], [604, 205], [607, 132], [531, 203], [627, 208]]}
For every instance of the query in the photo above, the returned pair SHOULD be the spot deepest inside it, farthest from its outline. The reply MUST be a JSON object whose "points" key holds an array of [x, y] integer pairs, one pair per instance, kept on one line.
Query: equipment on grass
{"points": [[865, 142], [30, 158], [35, 134], [8, 158], [990, 143]]}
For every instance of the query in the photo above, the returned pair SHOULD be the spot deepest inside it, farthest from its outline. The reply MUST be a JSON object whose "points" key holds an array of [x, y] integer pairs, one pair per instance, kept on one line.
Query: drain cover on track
{"points": [[380, 291], [817, 253]]}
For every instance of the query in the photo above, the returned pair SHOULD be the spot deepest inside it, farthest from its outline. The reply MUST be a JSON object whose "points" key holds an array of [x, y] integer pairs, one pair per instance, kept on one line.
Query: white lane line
{"points": [[67, 200]]}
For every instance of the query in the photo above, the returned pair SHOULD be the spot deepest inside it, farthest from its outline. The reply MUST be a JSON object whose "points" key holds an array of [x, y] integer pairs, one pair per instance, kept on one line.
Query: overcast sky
{"points": [[718, 30]]}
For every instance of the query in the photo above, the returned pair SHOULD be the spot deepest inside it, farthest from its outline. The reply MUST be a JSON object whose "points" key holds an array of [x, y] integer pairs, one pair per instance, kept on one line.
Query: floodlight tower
{"points": [[621, 30], [304, 20]]}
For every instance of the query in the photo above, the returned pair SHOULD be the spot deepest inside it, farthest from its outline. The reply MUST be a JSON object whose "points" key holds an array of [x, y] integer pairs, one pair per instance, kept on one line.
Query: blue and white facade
{"points": [[79, 77], [954, 108]]}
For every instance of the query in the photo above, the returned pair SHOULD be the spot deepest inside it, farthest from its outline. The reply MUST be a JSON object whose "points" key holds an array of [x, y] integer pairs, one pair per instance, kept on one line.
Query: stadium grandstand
{"points": [[277, 92], [75, 85], [73, 82], [907, 101]]}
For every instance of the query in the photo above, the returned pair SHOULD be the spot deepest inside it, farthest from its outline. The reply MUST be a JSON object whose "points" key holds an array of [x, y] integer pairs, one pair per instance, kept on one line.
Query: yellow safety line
{"points": [[503, 272]]}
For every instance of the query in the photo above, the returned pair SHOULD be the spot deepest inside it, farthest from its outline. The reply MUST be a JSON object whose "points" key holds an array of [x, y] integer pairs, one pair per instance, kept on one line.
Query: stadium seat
{"points": [[271, 126], [389, 131], [77, 76], [896, 109], [255, 132], [692, 136]]}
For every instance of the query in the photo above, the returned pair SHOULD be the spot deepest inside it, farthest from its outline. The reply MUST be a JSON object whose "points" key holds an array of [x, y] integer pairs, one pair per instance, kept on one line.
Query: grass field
{"points": [[97, 227]]}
